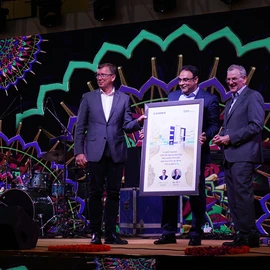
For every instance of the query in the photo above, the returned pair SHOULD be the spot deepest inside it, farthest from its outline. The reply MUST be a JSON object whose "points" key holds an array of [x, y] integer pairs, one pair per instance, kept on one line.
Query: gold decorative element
{"points": [[90, 86], [154, 73], [249, 76], [124, 82], [68, 111], [214, 72], [212, 177], [180, 64]]}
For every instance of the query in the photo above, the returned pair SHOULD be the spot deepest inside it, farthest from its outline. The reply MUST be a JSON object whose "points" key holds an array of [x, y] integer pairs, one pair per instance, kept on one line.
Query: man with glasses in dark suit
{"points": [[189, 89], [164, 176]]}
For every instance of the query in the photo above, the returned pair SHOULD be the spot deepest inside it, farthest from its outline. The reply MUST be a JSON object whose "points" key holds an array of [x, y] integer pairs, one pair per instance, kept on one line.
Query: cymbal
{"points": [[55, 155], [9, 159], [8, 169]]}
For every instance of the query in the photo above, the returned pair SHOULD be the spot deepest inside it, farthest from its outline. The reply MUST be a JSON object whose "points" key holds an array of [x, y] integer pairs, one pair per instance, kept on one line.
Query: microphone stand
{"points": [[65, 132]]}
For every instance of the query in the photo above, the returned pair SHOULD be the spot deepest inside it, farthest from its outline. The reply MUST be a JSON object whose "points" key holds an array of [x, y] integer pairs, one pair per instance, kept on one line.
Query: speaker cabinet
{"points": [[104, 9], [18, 229], [50, 16]]}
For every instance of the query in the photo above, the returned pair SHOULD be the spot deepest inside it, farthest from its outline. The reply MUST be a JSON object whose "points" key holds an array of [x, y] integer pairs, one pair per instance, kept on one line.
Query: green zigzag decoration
{"points": [[143, 35]]}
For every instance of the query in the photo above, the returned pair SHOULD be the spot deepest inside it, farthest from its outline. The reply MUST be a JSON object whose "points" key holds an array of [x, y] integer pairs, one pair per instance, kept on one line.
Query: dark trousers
{"points": [[240, 192], [170, 210], [104, 175]]}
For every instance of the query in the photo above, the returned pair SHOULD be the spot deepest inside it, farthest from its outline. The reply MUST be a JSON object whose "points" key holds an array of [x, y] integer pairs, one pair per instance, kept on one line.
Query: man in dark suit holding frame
{"points": [[189, 89]]}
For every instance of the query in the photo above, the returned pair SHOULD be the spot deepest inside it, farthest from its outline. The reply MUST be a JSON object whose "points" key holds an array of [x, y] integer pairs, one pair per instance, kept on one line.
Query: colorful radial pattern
{"points": [[17, 56]]}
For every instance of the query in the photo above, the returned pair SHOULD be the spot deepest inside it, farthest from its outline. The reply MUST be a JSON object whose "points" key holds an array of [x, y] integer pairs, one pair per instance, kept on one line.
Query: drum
{"points": [[37, 205], [40, 181], [20, 184], [58, 190], [22, 187]]}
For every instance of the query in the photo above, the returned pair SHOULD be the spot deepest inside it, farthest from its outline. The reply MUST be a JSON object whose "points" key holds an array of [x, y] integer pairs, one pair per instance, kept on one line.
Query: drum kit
{"points": [[43, 199]]}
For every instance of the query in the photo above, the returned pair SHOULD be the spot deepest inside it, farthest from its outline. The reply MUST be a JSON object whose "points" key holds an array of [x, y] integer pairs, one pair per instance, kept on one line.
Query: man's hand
{"points": [[140, 120], [221, 140], [202, 138], [141, 134], [81, 160]]}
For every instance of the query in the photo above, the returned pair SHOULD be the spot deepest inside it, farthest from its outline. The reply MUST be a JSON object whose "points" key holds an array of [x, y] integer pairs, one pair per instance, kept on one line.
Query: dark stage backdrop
{"points": [[57, 67], [60, 49]]}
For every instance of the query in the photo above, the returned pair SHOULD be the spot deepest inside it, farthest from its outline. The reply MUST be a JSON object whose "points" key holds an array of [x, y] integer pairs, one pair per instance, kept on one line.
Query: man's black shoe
{"points": [[113, 238], [96, 239], [195, 236], [251, 240], [254, 240], [195, 241], [165, 239]]}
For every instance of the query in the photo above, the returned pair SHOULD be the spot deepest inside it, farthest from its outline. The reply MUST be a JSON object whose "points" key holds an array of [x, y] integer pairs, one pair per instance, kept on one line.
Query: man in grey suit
{"points": [[241, 139], [99, 144]]}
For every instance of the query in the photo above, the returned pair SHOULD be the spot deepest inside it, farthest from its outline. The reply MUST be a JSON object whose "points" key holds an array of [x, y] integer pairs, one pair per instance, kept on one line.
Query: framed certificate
{"points": [[171, 152]]}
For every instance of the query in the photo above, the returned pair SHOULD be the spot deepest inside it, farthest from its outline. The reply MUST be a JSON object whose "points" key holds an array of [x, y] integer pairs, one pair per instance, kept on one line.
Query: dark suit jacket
{"points": [[211, 114], [91, 119], [161, 177], [244, 124]]}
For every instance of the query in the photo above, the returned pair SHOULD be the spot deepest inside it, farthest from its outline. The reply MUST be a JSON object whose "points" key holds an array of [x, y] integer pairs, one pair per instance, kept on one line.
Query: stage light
{"points": [[50, 12], [162, 6], [104, 9]]}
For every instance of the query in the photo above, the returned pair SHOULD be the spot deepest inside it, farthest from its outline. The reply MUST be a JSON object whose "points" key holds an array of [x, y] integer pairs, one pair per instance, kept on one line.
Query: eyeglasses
{"points": [[234, 79], [185, 79], [102, 75]]}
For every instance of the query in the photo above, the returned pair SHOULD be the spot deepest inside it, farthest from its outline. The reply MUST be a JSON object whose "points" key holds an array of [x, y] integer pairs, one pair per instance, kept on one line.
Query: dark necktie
{"points": [[234, 98]]}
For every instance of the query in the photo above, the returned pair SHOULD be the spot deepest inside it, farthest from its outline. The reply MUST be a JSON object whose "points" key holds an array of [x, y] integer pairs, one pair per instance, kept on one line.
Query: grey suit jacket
{"points": [[92, 131], [244, 125]]}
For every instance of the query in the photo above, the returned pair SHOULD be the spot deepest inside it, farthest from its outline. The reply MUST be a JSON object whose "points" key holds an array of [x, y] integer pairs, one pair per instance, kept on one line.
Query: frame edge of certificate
{"points": [[148, 106]]}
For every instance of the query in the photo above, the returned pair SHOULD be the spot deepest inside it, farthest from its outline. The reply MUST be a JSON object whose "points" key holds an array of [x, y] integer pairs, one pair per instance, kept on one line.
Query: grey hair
{"points": [[242, 70]]}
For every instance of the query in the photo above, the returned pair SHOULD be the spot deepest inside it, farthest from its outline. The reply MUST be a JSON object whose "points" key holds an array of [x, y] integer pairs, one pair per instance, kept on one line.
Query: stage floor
{"points": [[142, 247], [140, 253]]}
